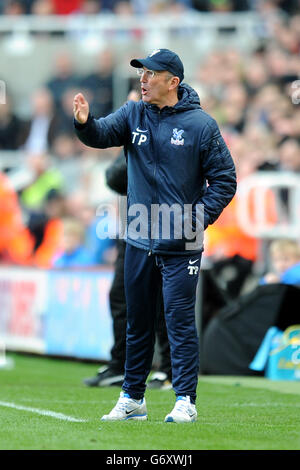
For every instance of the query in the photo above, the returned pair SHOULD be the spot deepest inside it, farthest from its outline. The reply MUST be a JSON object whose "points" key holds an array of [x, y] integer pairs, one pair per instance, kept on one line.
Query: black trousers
{"points": [[118, 312]]}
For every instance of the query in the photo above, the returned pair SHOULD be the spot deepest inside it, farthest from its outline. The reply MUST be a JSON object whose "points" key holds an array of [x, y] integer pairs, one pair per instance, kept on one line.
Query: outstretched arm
{"points": [[110, 131]]}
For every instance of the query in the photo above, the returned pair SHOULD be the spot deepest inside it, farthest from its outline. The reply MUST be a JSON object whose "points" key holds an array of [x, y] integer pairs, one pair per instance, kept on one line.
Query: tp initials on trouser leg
{"points": [[179, 293], [180, 276]]}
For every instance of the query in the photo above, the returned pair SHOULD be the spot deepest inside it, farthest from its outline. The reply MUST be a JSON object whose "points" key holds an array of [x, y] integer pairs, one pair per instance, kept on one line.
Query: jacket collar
{"points": [[187, 99]]}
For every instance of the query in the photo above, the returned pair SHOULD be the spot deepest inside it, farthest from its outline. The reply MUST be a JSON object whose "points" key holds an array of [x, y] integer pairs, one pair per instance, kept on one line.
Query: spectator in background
{"points": [[260, 148], [97, 241], [28, 5], [288, 161], [256, 75], [108, 6], [52, 208], [91, 7], [221, 6], [292, 275], [123, 8], [289, 6], [11, 127], [63, 116], [13, 7], [64, 77], [43, 124], [273, 110], [46, 178], [99, 85], [102, 249], [42, 7], [140, 7], [67, 161], [45, 226], [289, 155], [66, 7], [93, 164], [74, 253], [16, 243], [16, 7], [234, 107], [285, 263]]}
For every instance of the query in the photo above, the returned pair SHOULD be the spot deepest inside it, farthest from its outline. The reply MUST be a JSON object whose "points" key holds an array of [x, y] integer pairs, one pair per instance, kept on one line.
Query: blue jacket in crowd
{"points": [[175, 156], [80, 257], [292, 275]]}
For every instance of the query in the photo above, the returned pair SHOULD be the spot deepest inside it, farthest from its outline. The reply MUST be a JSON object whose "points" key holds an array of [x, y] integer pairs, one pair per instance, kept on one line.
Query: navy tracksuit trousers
{"points": [[143, 276]]}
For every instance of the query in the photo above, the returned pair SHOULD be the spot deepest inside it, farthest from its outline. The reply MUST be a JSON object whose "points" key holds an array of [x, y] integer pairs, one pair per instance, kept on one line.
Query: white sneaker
{"points": [[127, 408], [183, 412]]}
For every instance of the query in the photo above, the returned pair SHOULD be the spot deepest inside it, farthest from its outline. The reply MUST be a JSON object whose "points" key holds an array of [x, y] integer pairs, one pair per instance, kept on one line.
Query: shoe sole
{"points": [[134, 417], [137, 417], [169, 419]]}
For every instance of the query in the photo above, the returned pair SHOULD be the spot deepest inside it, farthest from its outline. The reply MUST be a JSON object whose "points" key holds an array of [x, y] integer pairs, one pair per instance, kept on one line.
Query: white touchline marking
{"points": [[52, 414]]}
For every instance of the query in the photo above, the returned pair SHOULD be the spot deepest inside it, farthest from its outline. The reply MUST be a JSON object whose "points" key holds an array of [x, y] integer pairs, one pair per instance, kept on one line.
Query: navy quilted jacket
{"points": [[176, 157]]}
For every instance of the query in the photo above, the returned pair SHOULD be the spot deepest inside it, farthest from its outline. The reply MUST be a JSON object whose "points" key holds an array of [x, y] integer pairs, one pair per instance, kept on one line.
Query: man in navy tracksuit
{"points": [[180, 177]]}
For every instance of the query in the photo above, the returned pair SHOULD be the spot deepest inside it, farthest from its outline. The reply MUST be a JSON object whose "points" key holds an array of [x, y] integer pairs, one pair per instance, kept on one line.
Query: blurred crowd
{"points": [[255, 99], [60, 182], [127, 7]]}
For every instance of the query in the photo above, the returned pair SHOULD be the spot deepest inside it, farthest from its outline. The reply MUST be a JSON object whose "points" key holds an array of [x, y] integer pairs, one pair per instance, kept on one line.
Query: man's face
{"points": [[155, 89]]}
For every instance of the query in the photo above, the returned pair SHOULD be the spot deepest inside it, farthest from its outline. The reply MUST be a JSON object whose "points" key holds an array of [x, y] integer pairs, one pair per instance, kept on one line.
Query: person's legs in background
{"points": [[119, 313], [162, 378], [112, 374]]}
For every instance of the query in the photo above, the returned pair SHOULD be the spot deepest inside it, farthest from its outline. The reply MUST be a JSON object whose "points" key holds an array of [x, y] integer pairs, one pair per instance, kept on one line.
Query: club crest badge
{"points": [[177, 138]]}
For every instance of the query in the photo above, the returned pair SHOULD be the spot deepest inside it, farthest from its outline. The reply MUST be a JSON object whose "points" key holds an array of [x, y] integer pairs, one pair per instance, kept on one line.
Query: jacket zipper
{"points": [[154, 178]]}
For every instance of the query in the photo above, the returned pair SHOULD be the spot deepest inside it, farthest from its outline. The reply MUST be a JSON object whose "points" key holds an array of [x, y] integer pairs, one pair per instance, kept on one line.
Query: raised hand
{"points": [[80, 108]]}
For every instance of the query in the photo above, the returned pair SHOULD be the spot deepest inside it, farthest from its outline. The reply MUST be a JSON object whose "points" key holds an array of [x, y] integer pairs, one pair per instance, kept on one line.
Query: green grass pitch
{"points": [[45, 406]]}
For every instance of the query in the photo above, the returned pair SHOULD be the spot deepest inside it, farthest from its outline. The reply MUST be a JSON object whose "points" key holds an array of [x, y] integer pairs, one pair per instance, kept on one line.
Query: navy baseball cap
{"points": [[161, 59]]}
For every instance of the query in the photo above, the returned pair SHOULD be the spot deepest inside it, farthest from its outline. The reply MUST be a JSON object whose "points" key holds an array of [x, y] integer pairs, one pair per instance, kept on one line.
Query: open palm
{"points": [[80, 108]]}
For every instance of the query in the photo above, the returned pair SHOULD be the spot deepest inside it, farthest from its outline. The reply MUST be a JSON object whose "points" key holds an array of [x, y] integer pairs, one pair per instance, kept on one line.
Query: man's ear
{"points": [[174, 82]]}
